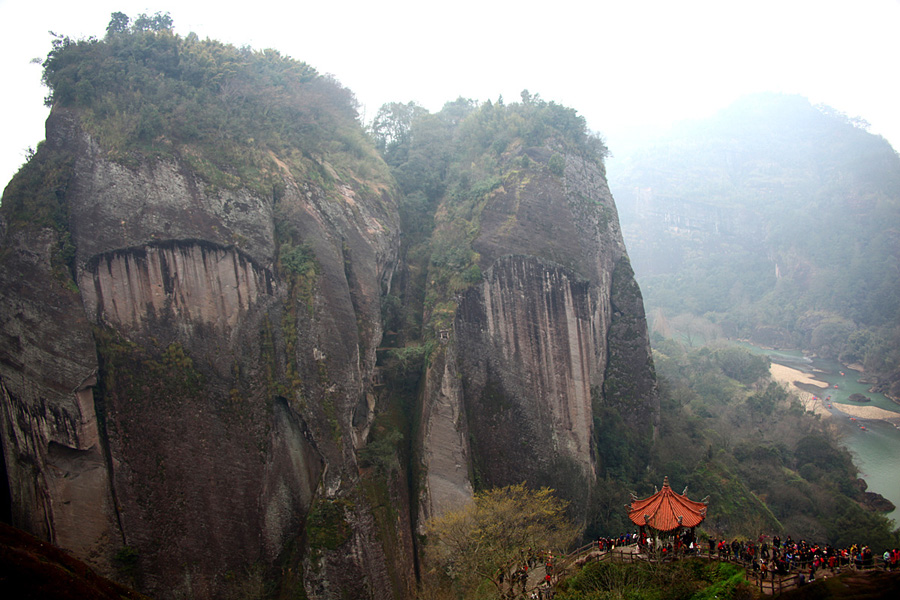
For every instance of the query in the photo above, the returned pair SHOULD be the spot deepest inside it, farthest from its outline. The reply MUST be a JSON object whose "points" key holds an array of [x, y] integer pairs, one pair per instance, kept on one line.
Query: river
{"points": [[875, 449]]}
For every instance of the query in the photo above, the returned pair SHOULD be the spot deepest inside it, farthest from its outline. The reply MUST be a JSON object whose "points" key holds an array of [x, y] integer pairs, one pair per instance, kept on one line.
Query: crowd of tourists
{"points": [[775, 556], [626, 539], [767, 556]]}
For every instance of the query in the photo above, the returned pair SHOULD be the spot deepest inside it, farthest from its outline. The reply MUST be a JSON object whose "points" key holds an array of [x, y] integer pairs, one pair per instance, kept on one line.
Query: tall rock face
{"points": [[224, 383], [195, 273], [536, 345], [57, 472]]}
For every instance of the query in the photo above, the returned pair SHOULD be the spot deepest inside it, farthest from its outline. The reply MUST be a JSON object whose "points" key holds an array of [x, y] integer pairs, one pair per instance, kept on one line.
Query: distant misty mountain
{"points": [[777, 220]]}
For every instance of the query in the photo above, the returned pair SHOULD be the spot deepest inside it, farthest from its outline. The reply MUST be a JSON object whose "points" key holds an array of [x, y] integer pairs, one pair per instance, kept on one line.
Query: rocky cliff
{"points": [[191, 322], [538, 343], [224, 385]]}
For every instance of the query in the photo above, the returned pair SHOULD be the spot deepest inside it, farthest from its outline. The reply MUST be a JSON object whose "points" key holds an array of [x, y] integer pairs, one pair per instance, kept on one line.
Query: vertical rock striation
{"points": [[59, 483], [223, 383], [535, 344], [187, 370]]}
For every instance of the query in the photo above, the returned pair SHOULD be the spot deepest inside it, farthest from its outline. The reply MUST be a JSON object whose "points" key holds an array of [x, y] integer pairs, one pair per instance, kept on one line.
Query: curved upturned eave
{"points": [[665, 510]]}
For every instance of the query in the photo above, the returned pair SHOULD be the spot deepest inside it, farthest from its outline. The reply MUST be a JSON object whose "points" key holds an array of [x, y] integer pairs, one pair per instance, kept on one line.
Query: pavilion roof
{"points": [[665, 510]]}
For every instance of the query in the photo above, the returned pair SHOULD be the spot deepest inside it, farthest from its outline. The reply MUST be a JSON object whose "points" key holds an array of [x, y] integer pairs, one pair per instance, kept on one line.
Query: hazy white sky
{"points": [[623, 64]]}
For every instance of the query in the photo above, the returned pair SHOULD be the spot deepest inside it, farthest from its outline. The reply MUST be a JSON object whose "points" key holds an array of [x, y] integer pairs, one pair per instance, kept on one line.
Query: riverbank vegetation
{"points": [[768, 466]]}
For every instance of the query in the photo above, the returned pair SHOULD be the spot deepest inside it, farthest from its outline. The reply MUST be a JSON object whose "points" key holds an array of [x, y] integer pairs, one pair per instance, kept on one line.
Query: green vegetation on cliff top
{"points": [[767, 466], [448, 164], [143, 92], [229, 112]]}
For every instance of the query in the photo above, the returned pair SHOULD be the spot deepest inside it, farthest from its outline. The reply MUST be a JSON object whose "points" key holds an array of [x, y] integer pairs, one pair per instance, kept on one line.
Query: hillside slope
{"points": [[776, 220]]}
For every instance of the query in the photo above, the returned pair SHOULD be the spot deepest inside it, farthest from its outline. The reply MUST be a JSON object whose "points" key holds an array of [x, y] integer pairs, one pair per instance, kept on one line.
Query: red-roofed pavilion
{"points": [[667, 512]]}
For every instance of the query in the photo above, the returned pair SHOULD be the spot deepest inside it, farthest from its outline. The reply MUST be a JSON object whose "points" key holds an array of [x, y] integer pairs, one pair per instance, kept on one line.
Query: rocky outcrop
{"points": [[196, 282], [224, 387], [537, 316], [59, 483], [444, 439], [28, 564], [889, 386], [188, 390], [877, 503], [629, 385], [531, 349]]}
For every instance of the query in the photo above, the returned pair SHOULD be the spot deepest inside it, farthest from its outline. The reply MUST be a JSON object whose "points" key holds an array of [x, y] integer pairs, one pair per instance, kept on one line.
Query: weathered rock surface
{"points": [[225, 391], [532, 345], [877, 503], [59, 484], [444, 440], [889, 386], [541, 334], [177, 399], [32, 568]]}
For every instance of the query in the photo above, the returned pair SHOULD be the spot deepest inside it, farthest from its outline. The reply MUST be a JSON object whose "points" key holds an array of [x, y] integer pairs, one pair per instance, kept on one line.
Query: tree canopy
{"points": [[492, 537], [143, 90]]}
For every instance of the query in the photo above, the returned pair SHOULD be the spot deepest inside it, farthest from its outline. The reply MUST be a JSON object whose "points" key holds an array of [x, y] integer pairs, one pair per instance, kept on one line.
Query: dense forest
{"points": [[772, 221]]}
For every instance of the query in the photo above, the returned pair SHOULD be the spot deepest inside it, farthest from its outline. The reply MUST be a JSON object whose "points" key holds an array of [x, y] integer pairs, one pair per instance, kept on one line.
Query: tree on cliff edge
{"points": [[493, 537]]}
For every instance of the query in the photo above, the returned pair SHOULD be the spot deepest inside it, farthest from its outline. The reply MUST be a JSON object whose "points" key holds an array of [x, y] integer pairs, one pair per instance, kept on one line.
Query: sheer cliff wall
{"points": [[225, 387], [188, 371], [534, 344]]}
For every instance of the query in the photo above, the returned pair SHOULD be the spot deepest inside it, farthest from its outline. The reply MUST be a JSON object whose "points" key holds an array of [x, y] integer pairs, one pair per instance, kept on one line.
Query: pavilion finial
{"points": [[666, 481]]}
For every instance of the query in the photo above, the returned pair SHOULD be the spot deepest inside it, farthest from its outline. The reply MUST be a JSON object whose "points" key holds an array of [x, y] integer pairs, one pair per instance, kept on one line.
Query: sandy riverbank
{"points": [[868, 412], [791, 377]]}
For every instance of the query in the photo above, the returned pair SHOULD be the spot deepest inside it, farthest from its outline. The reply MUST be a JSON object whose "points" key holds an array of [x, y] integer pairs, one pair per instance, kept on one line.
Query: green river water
{"points": [[876, 449]]}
